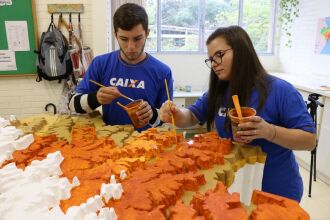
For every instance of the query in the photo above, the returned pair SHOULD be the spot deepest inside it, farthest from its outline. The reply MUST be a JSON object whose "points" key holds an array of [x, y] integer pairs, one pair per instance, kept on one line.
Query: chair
{"points": [[312, 106]]}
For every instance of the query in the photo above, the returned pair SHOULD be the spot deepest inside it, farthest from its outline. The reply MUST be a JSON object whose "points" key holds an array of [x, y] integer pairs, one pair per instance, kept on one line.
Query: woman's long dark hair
{"points": [[246, 73]]}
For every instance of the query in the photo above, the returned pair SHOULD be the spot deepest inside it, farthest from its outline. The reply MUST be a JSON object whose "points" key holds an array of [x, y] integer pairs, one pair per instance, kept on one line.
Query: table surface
{"points": [[309, 84], [182, 94]]}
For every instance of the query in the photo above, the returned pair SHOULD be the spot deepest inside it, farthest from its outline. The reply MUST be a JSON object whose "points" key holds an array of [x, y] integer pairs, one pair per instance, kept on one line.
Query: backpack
{"points": [[53, 61]]}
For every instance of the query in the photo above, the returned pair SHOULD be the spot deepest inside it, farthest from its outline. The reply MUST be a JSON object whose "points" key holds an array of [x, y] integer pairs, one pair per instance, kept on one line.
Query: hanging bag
{"points": [[53, 61], [86, 53], [74, 47]]}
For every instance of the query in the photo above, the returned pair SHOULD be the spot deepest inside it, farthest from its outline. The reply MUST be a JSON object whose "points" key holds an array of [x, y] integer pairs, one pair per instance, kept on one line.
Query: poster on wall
{"points": [[7, 60], [17, 35], [322, 45]]}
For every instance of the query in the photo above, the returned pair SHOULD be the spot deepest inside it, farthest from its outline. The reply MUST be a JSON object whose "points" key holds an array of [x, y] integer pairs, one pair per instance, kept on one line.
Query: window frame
{"points": [[201, 21]]}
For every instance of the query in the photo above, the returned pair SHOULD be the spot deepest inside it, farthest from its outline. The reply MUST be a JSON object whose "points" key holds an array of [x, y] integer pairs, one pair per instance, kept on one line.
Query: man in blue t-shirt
{"points": [[129, 72]]}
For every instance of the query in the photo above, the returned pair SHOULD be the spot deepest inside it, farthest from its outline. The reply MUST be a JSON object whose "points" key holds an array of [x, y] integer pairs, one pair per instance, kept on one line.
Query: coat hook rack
{"points": [[65, 8]]}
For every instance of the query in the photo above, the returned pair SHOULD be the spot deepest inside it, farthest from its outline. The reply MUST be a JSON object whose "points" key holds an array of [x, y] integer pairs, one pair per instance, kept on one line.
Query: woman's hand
{"points": [[167, 110], [255, 127], [144, 113], [105, 95]]}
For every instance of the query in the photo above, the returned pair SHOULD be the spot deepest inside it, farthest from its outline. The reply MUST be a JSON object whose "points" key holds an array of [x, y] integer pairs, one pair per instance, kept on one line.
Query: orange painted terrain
{"points": [[158, 175]]}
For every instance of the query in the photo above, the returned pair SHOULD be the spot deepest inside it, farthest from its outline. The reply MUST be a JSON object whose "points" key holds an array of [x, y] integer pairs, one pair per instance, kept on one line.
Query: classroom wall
{"points": [[22, 95], [191, 69], [300, 58]]}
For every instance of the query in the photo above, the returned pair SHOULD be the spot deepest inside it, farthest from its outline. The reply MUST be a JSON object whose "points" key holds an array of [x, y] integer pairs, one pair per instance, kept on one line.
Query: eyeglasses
{"points": [[217, 58]]}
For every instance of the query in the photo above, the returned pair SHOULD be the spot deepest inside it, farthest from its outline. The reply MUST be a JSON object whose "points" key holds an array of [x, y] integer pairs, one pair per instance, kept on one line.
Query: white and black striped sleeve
{"points": [[155, 120], [83, 103]]}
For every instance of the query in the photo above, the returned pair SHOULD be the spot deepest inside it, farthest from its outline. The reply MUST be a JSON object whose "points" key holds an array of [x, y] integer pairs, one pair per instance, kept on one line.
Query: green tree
{"points": [[184, 15]]}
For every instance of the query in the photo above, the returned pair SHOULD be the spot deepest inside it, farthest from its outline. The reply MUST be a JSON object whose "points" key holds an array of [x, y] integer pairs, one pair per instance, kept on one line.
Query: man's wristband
{"points": [[155, 120]]}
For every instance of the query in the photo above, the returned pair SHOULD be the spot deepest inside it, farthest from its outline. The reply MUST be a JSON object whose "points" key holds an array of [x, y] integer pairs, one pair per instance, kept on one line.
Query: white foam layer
{"points": [[12, 118], [10, 132], [29, 194], [11, 139], [35, 193], [87, 211], [23, 142], [112, 190], [8, 145], [3, 122], [122, 175]]}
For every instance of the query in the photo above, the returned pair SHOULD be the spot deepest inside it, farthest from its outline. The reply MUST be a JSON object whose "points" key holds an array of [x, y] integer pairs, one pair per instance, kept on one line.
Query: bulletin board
{"points": [[20, 10]]}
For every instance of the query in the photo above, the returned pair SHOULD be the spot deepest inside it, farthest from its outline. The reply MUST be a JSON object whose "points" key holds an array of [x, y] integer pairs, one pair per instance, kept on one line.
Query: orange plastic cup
{"points": [[131, 109], [246, 112]]}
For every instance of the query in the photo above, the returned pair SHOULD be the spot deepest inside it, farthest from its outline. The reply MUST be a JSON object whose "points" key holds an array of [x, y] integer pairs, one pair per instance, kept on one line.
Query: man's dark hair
{"points": [[128, 16], [246, 73]]}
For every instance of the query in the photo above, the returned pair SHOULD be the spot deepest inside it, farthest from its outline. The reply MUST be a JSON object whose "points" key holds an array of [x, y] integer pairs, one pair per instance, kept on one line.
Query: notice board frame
{"points": [[21, 10]]}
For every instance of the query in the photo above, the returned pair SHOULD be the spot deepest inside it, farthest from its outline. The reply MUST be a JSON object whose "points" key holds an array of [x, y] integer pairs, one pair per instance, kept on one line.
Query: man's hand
{"points": [[105, 95], [144, 113]]}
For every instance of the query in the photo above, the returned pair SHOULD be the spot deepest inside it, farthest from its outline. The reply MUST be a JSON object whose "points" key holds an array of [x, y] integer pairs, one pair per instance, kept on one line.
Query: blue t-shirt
{"points": [[284, 107], [144, 80]]}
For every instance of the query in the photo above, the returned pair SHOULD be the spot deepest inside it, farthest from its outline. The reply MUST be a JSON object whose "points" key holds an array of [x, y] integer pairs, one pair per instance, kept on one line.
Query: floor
{"points": [[318, 206]]}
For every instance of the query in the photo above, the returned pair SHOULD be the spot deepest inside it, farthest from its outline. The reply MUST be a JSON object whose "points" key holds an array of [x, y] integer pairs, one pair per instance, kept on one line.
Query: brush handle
{"points": [[237, 106], [122, 95], [121, 105], [172, 117]]}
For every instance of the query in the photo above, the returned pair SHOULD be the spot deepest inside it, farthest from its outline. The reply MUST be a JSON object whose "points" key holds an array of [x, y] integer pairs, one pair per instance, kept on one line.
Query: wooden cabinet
{"points": [[180, 102], [185, 99], [307, 85], [304, 157], [323, 150]]}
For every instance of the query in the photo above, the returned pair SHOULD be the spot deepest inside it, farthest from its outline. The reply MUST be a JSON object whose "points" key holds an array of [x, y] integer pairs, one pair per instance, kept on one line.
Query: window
{"points": [[184, 25]]}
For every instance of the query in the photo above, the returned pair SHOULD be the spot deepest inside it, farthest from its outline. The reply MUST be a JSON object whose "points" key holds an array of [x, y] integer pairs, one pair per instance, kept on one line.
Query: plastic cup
{"points": [[188, 88], [131, 109], [246, 112]]}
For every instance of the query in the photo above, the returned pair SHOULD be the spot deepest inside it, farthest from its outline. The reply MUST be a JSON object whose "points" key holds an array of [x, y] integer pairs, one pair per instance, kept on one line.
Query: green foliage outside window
{"points": [[180, 28], [289, 10]]}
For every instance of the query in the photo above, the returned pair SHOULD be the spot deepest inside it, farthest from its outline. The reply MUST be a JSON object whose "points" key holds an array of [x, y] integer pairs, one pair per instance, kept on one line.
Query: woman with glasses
{"points": [[282, 123]]}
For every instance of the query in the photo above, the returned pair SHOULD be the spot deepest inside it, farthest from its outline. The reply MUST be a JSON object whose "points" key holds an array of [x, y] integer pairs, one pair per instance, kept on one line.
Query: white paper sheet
{"points": [[5, 2], [17, 35], [7, 60]]}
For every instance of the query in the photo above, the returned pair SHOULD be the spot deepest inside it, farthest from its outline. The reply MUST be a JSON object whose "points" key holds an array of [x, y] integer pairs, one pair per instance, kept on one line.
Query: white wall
{"points": [[191, 69], [43, 17], [300, 58], [99, 26], [23, 96]]}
